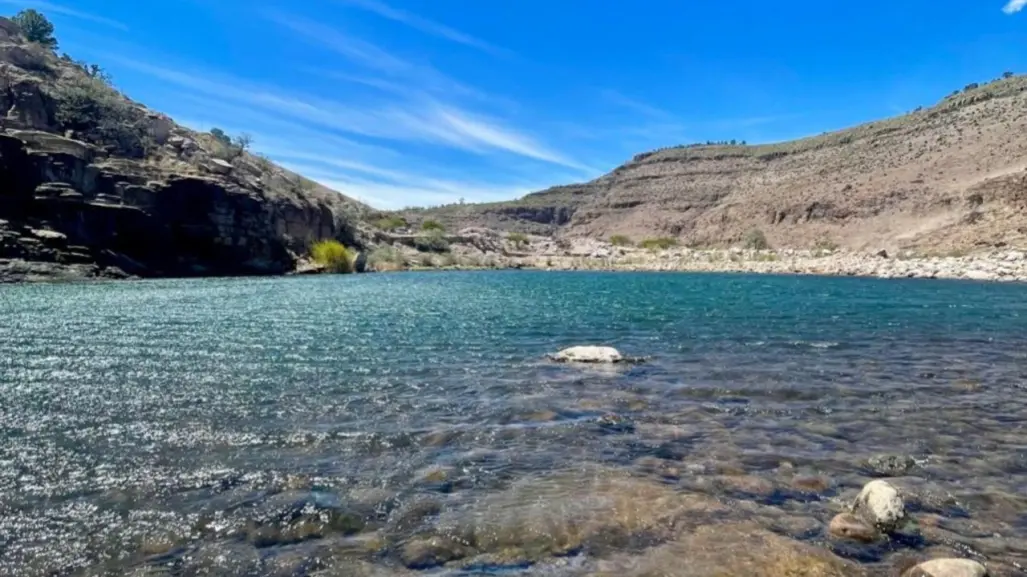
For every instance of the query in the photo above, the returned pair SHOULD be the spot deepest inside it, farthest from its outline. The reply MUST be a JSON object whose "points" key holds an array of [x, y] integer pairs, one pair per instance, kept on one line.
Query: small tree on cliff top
{"points": [[36, 27]]}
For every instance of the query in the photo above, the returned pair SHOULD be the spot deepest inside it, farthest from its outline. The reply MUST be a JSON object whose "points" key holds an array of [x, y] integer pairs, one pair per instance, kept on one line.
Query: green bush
{"points": [[36, 27], [518, 238], [620, 240], [228, 147], [432, 225], [333, 255], [432, 241], [756, 240], [391, 223], [661, 243], [100, 114]]}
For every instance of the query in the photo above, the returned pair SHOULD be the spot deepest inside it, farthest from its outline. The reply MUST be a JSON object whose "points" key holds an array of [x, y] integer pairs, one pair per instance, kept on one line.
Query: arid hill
{"points": [[93, 184], [947, 178]]}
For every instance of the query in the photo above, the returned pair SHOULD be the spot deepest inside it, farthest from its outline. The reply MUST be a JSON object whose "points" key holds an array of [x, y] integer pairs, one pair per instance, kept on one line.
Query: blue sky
{"points": [[422, 102]]}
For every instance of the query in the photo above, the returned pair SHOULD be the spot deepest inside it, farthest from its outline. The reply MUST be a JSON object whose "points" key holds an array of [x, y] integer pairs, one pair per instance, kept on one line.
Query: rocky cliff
{"points": [[93, 184], [947, 178]]}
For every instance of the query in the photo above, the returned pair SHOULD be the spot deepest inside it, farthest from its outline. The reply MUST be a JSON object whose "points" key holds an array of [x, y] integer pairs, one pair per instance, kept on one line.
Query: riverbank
{"points": [[1010, 266], [999, 266], [996, 265]]}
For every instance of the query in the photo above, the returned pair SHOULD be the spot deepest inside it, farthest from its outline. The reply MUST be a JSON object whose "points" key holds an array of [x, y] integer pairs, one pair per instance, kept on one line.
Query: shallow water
{"points": [[331, 425]]}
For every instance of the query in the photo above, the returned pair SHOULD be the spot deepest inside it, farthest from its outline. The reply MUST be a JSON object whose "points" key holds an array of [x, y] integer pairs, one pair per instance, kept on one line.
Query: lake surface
{"points": [[409, 424]]}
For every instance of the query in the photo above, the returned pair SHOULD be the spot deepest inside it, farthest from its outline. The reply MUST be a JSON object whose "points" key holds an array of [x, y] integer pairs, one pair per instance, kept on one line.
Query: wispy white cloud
{"points": [[392, 189], [43, 6], [424, 25], [634, 105], [377, 176], [424, 119], [418, 76], [1014, 6]]}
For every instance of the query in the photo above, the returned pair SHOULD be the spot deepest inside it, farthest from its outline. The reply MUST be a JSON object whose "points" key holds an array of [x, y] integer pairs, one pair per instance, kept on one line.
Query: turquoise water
{"points": [[159, 426]]}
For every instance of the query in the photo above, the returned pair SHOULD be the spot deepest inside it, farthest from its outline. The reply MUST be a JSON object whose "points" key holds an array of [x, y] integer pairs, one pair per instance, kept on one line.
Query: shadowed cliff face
{"points": [[92, 184], [944, 178]]}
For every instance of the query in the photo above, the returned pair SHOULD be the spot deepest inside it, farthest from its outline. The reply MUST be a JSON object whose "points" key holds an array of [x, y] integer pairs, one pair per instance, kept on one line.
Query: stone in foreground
{"points": [[589, 354], [880, 505], [848, 526], [948, 568]]}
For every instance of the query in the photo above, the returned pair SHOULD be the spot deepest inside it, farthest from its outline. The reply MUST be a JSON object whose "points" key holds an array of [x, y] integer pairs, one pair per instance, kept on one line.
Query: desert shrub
{"points": [[228, 147], [756, 240], [242, 141], [431, 241], [228, 153], [263, 163], [661, 243], [390, 222], [518, 238], [447, 260], [333, 255], [825, 244], [620, 240], [386, 258], [93, 71], [100, 114], [432, 225], [36, 27], [221, 136]]}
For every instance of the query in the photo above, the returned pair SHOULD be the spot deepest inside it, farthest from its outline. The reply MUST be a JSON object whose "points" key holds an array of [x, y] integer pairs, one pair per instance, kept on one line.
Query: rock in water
{"points": [[880, 505], [948, 568], [848, 526], [890, 465], [588, 354]]}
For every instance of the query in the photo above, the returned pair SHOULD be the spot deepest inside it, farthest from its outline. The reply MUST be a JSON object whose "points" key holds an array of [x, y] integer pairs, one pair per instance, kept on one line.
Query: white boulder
{"points": [[588, 354], [948, 568], [879, 504]]}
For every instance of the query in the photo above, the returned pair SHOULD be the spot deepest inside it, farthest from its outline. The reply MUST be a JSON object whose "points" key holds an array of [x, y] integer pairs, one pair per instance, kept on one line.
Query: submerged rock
{"points": [[880, 505], [612, 423], [948, 568], [732, 549], [890, 465], [592, 354], [848, 526], [596, 511], [431, 552]]}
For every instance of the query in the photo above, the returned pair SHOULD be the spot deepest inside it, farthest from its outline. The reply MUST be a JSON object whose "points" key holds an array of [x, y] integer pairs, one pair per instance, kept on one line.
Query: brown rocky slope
{"points": [[93, 184], [948, 178]]}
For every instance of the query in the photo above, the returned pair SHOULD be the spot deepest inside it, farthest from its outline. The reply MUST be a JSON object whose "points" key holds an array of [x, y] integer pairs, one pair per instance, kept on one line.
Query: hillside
{"points": [[949, 177], [93, 184]]}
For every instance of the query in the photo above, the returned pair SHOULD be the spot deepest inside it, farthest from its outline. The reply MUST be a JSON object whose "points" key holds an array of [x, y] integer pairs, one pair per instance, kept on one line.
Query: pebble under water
{"points": [[408, 424]]}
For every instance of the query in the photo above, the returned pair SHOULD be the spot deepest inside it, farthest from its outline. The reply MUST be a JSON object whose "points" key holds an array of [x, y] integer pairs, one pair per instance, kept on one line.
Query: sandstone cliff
{"points": [[952, 177], [93, 184]]}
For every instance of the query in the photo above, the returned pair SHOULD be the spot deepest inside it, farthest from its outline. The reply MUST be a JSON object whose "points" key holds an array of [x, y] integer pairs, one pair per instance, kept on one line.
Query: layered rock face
{"points": [[953, 176], [92, 184]]}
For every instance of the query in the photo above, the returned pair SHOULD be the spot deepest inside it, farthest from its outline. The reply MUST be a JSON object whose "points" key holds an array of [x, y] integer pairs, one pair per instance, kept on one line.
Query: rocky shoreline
{"points": [[1009, 266]]}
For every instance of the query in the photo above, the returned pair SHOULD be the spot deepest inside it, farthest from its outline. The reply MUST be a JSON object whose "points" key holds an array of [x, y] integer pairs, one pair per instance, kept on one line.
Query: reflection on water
{"points": [[407, 424]]}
